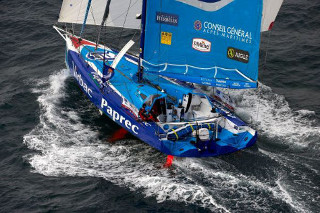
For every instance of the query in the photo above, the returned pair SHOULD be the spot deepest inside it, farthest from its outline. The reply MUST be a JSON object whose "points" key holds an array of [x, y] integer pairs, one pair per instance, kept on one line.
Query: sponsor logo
{"points": [[238, 55], [206, 81], [221, 81], [197, 25], [236, 84], [247, 85], [201, 45], [81, 82], [166, 38], [117, 117], [166, 18], [224, 31]]}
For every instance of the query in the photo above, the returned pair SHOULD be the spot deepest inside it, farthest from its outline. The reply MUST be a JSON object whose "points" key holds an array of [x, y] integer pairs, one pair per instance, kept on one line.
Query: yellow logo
{"points": [[231, 53], [166, 38], [238, 55]]}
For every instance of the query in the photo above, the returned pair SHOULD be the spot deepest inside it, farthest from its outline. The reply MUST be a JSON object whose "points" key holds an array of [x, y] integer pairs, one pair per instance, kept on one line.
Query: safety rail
{"points": [[148, 66], [180, 130]]}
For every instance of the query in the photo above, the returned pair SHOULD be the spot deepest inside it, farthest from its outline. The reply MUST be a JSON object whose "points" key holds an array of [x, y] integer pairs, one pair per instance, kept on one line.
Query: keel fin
{"points": [[118, 135], [169, 161]]}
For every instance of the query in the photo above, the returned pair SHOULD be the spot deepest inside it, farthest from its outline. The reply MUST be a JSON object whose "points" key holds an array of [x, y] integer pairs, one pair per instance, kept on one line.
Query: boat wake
{"points": [[66, 146], [289, 138], [273, 117]]}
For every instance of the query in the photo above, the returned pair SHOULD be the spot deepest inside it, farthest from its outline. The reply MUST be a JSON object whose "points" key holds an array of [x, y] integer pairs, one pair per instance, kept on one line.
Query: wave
{"points": [[67, 147], [272, 116]]}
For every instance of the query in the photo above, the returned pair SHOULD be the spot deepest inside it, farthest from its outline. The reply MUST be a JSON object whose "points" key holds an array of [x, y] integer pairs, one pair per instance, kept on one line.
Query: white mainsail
{"points": [[122, 13], [270, 11]]}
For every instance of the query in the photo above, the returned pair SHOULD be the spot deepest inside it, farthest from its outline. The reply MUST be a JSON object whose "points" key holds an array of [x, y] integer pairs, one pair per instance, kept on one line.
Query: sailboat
{"points": [[154, 95]]}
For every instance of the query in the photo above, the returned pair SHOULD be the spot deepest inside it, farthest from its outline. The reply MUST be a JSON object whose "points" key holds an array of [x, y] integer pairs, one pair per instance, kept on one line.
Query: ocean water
{"points": [[54, 153]]}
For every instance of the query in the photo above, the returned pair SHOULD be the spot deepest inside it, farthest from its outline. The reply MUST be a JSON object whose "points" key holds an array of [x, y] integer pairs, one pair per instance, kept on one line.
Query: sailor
{"points": [[107, 74], [145, 116], [143, 113], [153, 114]]}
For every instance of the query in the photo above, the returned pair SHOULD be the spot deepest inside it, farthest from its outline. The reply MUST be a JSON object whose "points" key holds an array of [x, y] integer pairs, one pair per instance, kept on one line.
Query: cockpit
{"points": [[190, 107], [168, 101]]}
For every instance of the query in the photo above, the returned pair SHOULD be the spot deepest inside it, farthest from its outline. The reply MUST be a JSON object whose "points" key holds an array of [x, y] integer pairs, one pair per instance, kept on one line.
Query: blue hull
{"points": [[109, 101]]}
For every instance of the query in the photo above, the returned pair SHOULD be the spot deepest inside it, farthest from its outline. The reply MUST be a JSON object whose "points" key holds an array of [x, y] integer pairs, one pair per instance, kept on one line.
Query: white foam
{"points": [[305, 112], [242, 187], [273, 117], [67, 147], [286, 195]]}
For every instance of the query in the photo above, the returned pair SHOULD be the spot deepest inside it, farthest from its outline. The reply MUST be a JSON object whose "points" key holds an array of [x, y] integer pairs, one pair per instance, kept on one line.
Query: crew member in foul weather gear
{"points": [[143, 113], [153, 115], [108, 73], [145, 116]]}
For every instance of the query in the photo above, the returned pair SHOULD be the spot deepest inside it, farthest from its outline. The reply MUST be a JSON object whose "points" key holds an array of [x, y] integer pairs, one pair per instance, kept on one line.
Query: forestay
{"points": [[122, 13]]}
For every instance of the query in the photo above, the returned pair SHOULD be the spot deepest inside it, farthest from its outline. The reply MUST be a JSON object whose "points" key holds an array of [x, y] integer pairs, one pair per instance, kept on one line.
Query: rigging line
{"points": [[104, 18], [72, 28], [91, 11], [133, 35], [109, 65], [125, 19], [121, 73], [110, 22], [79, 10], [124, 75], [263, 69], [201, 68], [125, 83], [94, 20]]}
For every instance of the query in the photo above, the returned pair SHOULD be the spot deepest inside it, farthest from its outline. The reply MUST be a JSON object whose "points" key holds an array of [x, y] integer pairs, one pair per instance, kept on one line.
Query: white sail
{"points": [[270, 11], [122, 13]]}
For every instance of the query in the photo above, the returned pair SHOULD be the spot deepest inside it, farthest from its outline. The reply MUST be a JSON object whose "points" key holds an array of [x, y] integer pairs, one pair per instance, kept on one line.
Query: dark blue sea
{"points": [[54, 154]]}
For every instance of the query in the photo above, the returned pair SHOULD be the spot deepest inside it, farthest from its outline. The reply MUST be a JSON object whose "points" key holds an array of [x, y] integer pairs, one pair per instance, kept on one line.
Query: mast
{"points": [[105, 16], [143, 23], [85, 17]]}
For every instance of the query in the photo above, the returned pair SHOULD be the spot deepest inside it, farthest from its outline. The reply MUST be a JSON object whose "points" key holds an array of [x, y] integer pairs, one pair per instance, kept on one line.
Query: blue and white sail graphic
{"points": [[211, 42]]}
